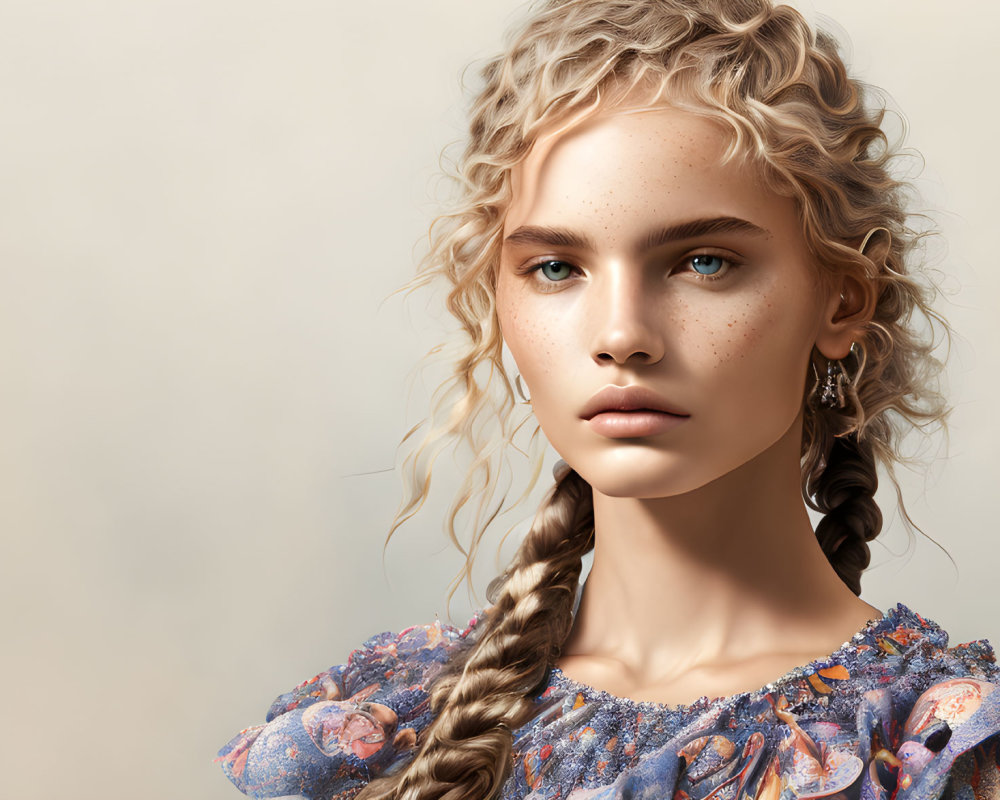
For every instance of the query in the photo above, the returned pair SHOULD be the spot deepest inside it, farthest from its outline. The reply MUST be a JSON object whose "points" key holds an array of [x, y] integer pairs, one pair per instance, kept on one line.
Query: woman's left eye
{"points": [[709, 266]]}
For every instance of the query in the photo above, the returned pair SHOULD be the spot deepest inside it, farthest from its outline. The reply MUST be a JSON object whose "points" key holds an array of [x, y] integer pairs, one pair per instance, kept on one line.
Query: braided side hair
{"points": [[465, 751], [783, 93], [844, 491]]}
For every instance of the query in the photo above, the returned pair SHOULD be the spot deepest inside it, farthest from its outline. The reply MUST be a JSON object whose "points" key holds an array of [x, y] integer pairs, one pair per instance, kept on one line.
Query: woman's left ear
{"points": [[849, 307]]}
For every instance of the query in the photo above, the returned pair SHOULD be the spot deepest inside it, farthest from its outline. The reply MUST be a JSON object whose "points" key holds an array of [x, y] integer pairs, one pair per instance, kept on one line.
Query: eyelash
{"points": [[536, 269]]}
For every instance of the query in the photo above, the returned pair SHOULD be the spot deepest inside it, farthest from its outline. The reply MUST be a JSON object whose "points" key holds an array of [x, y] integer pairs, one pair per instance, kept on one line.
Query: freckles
{"points": [[546, 344], [764, 335], [733, 333], [749, 326], [533, 340], [706, 340]]}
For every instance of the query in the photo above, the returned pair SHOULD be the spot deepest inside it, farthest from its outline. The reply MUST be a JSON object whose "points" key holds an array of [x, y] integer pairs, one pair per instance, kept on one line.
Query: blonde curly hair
{"points": [[783, 92]]}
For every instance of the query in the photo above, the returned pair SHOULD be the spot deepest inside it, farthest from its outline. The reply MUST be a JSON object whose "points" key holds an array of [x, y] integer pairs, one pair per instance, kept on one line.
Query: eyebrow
{"points": [[702, 227], [554, 237], [564, 237]]}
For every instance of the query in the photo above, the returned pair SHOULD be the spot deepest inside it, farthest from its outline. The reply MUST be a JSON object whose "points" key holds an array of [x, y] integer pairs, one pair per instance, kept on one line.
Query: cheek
{"points": [[542, 334], [531, 336], [742, 330], [719, 335], [756, 347]]}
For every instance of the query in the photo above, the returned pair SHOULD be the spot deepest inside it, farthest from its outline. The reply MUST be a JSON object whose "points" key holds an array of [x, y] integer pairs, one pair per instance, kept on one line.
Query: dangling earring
{"points": [[832, 393], [519, 387]]}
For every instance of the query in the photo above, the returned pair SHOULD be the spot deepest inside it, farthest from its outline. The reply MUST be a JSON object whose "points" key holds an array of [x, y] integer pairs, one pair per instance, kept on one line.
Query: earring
{"points": [[519, 387], [870, 234], [832, 393], [880, 251]]}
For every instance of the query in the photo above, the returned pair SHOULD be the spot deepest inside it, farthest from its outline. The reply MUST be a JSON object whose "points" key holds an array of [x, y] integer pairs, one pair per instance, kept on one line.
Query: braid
{"points": [[844, 490], [465, 751]]}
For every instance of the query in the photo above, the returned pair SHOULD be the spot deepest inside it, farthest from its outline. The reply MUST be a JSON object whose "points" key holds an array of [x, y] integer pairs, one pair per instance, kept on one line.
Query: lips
{"points": [[628, 399], [631, 412]]}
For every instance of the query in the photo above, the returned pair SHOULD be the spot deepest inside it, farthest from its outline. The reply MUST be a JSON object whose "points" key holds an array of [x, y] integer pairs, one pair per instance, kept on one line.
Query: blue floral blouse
{"points": [[893, 714]]}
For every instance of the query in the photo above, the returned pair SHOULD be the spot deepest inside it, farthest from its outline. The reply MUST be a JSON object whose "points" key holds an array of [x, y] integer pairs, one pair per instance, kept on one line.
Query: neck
{"points": [[720, 573]]}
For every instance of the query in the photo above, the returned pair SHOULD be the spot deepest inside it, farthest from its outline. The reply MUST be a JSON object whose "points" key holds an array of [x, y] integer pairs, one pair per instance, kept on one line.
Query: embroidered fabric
{"points": [[893, 714]]}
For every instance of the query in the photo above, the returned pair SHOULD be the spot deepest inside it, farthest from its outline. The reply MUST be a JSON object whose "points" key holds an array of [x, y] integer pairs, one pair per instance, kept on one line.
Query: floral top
{"points": [[893, 714]]}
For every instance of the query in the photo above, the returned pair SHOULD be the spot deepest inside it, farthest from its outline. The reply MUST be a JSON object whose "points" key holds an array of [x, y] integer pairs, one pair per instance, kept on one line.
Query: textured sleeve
{"points": [[975, 775], [949, 743], [332, 734]]}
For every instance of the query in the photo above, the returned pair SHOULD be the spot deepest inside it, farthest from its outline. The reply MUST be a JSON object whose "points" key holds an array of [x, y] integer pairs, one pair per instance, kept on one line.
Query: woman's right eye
{"points": [[554, 271]]}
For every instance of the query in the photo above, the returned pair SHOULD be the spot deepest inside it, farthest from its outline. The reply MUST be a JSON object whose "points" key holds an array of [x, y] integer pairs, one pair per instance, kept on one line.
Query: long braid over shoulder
{"points": [[465, 751], [782, 93]]}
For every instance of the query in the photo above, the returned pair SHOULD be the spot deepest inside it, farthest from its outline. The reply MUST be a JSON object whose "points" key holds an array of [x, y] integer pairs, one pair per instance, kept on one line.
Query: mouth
{"points": [[620, 412], [626, 400]]}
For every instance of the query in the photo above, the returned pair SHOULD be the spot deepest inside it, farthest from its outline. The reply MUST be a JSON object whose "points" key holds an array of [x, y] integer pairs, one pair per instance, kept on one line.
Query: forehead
{"points": [[633, 164]]}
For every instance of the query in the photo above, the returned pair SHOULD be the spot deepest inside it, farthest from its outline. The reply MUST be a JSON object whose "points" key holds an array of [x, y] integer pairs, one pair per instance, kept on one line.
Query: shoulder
{"points": [[929, 712], [337, 730], [383, 665], [918, 650]]}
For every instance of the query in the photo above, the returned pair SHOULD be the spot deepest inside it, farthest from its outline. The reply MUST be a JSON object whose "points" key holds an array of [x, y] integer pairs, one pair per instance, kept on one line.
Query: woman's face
{"points": [[633, 257]]}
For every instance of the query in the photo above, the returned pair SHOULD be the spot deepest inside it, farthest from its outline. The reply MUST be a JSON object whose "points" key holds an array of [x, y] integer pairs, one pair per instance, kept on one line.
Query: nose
{"points": [[625, 317]]}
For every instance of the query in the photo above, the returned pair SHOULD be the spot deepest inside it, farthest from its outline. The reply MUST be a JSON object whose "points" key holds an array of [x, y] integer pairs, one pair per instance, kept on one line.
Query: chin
{"points": [[643, 480], [643, 488], [649, 474]]}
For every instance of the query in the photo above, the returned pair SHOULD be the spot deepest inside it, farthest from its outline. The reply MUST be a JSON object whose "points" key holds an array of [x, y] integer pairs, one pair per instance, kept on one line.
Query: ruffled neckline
{"points": [[561, 682]]}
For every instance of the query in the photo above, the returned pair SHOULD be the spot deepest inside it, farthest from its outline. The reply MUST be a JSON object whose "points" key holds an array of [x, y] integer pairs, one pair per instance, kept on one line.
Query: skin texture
{"points": [[707, 579]]}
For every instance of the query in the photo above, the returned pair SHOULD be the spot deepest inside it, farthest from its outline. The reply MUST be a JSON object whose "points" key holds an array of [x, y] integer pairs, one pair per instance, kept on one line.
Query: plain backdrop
{"points": [[204, 210]]}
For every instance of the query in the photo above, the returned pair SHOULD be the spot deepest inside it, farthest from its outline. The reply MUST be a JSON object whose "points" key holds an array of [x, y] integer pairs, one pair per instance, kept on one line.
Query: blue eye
{"points": [[556, 270], [707, 265]]}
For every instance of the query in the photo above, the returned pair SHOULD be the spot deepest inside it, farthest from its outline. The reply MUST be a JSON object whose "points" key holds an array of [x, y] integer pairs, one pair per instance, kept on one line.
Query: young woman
{"points": [[679, 218]]}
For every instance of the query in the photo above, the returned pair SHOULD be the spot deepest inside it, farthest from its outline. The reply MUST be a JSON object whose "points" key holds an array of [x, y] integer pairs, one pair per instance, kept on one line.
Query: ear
{"points": [[850, 305]]}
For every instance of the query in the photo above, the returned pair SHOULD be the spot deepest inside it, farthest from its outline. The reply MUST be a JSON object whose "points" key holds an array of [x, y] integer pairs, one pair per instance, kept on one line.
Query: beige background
{"points": [[202, 208]]}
